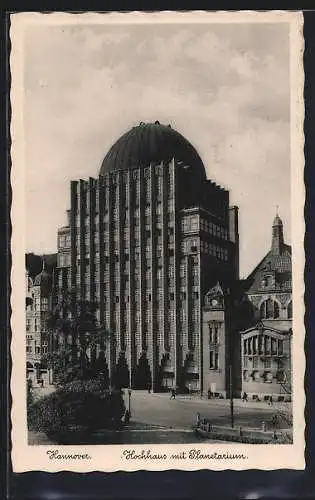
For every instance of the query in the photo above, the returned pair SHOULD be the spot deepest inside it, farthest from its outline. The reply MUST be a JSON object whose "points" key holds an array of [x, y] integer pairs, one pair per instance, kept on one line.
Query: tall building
{"points": [[144, 242], [266, 343]]}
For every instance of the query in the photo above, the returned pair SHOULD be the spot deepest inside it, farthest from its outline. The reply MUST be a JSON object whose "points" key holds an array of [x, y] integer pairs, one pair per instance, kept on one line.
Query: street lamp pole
{"points": [[129, 402], [231, 396]]}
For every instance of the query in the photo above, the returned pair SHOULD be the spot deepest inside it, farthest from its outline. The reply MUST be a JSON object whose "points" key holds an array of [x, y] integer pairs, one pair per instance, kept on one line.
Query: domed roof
{"points": [[43, 279], [150, 142]]}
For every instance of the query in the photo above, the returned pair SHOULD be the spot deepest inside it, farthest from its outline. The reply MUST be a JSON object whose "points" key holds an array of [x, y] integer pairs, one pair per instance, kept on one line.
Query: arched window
{"points": [[289, 310], [269, 309], [276, 309]]}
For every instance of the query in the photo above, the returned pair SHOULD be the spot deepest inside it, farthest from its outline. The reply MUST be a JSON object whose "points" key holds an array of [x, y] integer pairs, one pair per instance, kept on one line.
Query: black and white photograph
{"points": [[157, 221]]}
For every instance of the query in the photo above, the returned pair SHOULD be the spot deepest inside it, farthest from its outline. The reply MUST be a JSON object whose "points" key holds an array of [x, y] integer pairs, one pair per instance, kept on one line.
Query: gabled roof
{"points": [[279, 263], [264, 327], [215, 290]]}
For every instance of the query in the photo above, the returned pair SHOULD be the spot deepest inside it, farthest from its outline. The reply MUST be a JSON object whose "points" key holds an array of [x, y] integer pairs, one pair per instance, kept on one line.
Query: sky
{"points": [[225, 87]]}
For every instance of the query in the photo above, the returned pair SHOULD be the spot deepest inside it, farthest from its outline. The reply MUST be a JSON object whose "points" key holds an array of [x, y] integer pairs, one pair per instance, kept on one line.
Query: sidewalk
{"points": [[237, 402], [40, 392]]}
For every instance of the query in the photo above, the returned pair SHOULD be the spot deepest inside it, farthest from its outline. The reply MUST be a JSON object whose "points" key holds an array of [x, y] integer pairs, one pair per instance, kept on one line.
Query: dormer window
{"points": [[267, 281]]}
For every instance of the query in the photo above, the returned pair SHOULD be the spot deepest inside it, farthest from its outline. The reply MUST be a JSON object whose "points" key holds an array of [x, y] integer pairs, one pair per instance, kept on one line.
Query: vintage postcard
{"points": [[157, 241]]}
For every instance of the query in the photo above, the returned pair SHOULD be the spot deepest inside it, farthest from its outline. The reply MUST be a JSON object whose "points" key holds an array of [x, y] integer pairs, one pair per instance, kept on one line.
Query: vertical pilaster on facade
{"points": [[131, 323], [201, 292], [152, 343], [164, 261], [82, 238], [73, 232], [112, 337], [119, 209], [142, 287], [100, 251], [242, 367], [234, 238], [178, 362], [91, 248], [187, 303]]}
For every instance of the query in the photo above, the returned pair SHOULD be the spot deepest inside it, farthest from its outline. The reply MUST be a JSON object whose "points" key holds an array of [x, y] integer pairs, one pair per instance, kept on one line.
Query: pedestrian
{"points": [[271, 401], [209, 394], [127, 417], [245, 397], [274, 420], [173, 394], [198, 419]]}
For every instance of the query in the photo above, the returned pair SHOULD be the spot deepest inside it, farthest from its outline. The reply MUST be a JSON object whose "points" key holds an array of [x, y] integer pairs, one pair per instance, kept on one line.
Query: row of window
{"points": [[136, 297], [64, 241], [158, 171], [269, 309], [263, 344], [125, 197], [64, 260], [158, 320], [147, 273], [190, 245], [259, 362], [124, 255], [160, 311], [194, 223], [145, 282], [214, 229], [111, 181], [39, 304], [266, 377], [216, 251], [38, 350], [123, 221]]}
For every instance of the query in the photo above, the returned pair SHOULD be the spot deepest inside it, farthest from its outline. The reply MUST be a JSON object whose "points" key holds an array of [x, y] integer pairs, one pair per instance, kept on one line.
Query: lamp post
{"points": [[231, 396], [129, 402]]}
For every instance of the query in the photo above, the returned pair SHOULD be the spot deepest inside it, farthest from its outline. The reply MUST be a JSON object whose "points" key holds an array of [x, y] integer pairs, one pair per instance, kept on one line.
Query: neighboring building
{"points": [[266, 345], [226, 312], [145, 242], [38, 308], [216, 329]]}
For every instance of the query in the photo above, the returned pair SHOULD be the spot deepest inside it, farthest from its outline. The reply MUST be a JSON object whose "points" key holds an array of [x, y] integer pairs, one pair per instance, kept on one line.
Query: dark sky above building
{"points": [[226, 87]]}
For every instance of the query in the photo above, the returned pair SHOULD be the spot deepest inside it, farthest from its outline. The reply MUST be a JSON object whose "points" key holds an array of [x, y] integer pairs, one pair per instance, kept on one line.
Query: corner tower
{"points": [[277, 245]]}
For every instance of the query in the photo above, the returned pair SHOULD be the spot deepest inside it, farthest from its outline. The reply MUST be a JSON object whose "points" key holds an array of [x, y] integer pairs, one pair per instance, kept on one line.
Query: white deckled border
{"points": [[109, 458]]}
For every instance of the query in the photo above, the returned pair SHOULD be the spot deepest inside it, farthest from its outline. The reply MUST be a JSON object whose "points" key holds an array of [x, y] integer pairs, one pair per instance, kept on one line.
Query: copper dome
{"points": [[151, 142]]}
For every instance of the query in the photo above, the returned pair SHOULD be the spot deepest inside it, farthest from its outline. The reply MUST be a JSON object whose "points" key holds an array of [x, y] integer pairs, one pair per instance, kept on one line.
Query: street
{"points": [[158, 409], [155, 418]]}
